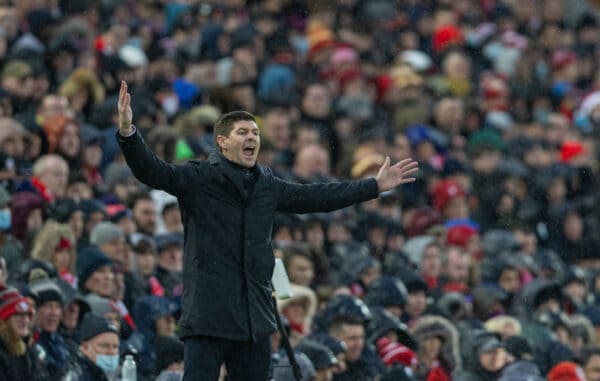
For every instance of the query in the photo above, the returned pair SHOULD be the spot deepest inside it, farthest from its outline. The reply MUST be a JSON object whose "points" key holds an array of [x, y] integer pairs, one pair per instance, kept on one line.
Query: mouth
{"points": [[249, 151]]}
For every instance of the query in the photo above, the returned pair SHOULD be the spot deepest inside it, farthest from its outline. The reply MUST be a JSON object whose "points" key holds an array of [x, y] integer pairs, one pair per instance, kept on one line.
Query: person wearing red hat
{"points": [[566, 371], [395, 353], [467, 237], [446, 36], [18, 361], [450, 200], [572, 151]]}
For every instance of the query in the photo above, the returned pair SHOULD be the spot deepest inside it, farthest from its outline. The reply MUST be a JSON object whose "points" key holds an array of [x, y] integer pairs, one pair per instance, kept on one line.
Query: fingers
{"points": [[406, 165], [123, 95], [408, 180], [408, 162]]}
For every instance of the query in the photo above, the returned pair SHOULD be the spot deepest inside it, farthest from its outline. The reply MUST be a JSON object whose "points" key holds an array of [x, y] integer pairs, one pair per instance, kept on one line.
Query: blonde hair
{"points": [[48, 238], [81, 79], [497, 324], [13, 343]]}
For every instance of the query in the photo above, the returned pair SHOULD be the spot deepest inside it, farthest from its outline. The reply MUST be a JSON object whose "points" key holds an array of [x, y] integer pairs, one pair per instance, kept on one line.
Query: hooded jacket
{"points": [[471, 347], [228, 257], [146, 312], [437, 326], [17, 361], [80, 368]]}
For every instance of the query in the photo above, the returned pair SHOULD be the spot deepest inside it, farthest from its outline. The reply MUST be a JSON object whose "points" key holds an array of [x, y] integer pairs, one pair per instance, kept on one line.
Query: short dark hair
{"points": [[138, 196], [296, 249], [224, 125], [336, 326]]}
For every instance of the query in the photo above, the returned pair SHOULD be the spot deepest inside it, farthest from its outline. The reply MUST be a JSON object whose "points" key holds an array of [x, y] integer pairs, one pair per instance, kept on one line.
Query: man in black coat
{"points": [[227, 205]]}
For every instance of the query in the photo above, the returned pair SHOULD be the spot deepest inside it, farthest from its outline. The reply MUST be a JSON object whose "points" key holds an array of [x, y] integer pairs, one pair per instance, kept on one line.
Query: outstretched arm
{"points": [[145, 165], [325, 197]]}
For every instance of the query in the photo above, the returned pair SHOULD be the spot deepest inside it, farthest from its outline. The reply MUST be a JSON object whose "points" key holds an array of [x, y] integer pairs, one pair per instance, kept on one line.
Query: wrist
{"points": [[125, 132], [379, 185]]}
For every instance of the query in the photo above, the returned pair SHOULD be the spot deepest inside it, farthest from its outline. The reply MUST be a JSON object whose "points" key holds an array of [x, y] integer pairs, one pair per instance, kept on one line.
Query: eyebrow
{"points": [[253, 129]]}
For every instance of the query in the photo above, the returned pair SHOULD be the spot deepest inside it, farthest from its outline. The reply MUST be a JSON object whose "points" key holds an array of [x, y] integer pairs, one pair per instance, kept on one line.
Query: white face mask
{"points": [[170, 104], [108, 363], [170, 375]]}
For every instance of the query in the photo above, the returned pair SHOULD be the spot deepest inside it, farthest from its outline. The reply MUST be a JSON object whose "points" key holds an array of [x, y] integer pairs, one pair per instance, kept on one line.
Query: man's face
{"points": [[277, 128], [80, 191], [312, 161], [301, 270], [165, 326], [431, 262], [509, 280], [146, 263], [101, 282], [94, 219], [449, 114], [592, 368], [416, 304], [242, 144], [577, 291], [71, 316], [172, 219], [55, 177], [493, 360], [315, 235], [14, 146], [69, 143], [144, 214], [171, 259], [48, 316], [457, 268], [106, 343], [353, 335], [115, 249], [54, 105], [458, 207], [317, 101]]}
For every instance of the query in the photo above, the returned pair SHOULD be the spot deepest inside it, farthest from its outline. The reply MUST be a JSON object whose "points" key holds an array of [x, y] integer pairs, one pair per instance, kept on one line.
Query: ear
{"points": [[83, 347], [221, 141]]}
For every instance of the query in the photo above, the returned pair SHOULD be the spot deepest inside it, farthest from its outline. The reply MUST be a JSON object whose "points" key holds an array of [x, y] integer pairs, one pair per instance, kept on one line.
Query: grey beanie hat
{"points": [[105, 232]]}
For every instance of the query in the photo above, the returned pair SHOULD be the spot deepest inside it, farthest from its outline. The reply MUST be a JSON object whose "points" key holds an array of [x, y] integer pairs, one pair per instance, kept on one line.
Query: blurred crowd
{"points": [[486, 268]]}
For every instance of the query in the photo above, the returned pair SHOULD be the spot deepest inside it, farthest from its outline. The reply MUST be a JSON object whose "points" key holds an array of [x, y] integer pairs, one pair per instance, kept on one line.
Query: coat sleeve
{"points": [[152, 170], [323, 197]]}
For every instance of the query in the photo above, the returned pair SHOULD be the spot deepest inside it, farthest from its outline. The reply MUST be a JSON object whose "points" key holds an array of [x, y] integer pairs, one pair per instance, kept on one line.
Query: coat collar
{"points": [[215, 157], [230, 171]]}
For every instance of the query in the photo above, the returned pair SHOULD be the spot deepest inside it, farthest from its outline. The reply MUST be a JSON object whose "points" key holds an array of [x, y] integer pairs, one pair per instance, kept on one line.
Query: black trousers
{"points": [[244, 360]]}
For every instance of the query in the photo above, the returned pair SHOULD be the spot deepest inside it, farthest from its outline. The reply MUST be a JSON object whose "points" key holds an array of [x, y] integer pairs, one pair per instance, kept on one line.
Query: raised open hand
{"points": [[125, 113], [400, 173]]}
